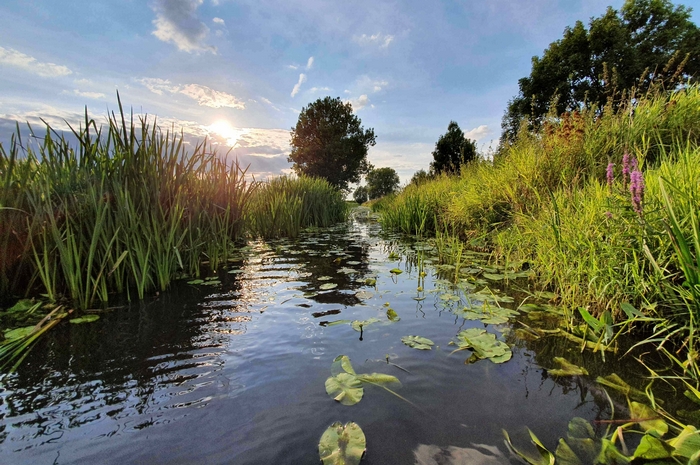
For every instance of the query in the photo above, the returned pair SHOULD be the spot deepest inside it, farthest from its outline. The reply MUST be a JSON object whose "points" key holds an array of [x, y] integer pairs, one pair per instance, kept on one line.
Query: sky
{"points": [[240, 71]]}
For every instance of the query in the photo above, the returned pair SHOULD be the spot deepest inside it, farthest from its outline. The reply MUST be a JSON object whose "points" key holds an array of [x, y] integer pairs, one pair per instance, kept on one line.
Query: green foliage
{"points": [[329, 142], [419, 177], [342, 444], [452, 150], [126, 209], [381, 182], [283, 206], [361, 195], [647, 42]]}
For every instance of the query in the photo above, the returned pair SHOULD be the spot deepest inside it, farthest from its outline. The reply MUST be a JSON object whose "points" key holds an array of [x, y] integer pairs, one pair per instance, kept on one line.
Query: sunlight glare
{"points": [[224, 129]]}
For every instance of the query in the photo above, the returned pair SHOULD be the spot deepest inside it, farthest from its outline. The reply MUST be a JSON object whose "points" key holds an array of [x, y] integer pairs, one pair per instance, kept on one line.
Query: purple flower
{"points": [[608, 215], [610, 174], [625, 168], [637, 190]]}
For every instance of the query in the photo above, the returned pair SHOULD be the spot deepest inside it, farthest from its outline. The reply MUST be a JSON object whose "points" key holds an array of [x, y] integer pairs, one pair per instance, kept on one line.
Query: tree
{"points": [[452, 150], [381, 182], [361, 195], [646, 42], [329, 142], [419, 177]]}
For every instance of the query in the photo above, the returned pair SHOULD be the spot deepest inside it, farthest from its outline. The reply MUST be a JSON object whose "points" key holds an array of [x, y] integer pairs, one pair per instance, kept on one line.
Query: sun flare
{"points": [[224, 129]]}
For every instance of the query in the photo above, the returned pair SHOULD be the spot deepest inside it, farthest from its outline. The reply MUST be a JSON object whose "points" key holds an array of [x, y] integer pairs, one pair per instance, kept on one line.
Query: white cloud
{"points": [[219, 21], [293, 66], [92, 95], [478, 132], [367, 84], [320, 89], [309, 63], [11, 57], [359, 103], [267, 101], [176, 21], [297, 86], [204, 95], [380, 40]]}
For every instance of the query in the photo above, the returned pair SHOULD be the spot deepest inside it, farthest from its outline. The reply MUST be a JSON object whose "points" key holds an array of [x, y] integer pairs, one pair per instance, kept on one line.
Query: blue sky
{"points": [[239, 71]]}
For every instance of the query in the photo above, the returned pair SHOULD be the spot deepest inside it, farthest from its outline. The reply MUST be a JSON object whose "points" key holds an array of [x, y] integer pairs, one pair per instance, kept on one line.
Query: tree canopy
{"points": [[361, 194], [646, 41], [452, 150], [381, 182], [329, 142]]}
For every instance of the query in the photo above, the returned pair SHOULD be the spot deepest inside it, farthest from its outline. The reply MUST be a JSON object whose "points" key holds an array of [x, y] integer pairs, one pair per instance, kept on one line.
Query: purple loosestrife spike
{"points": [[625, 168], [637, 190], [610, 173]]}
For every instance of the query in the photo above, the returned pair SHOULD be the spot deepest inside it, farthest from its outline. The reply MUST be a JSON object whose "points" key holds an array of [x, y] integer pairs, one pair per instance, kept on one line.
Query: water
{"points": [[234, 373]]}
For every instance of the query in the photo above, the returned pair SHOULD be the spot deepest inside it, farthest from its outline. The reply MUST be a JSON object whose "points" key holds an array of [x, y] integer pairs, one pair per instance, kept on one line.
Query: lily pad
{"points": [[196, 281], [418, 342], [18, 333], [364, 295], [370, 281], [395, 271], [346, 386], [324, 278], [353, 262], [84, 319], [342, 444], [566, 368], [236, 271], [357, 325], [483, 345], [648, 419], [493, 276], [211, 282], [327, 286]]}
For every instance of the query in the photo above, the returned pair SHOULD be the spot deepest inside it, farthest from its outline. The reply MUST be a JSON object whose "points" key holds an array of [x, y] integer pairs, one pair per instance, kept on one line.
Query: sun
{"points": [[224, 129]]}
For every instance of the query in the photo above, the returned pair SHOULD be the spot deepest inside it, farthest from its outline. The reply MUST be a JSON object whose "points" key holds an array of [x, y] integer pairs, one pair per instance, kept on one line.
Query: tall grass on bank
{"points": [[285, 205], [123, 211], [563, 200]]}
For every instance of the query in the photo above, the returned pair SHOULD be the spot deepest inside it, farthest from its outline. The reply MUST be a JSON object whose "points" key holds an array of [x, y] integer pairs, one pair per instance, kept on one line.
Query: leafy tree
{"points": [[361, 194], [646, 42], [419, 177], [381, 182], [452, 150], [329, 142]]}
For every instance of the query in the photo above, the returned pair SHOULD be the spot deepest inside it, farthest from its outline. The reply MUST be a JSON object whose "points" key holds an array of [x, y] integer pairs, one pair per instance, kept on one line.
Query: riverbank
{"points": [[601, 205]]}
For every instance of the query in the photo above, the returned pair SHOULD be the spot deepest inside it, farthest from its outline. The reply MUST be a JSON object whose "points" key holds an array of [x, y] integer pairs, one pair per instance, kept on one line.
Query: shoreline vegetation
{"points": [[602, 204], [124, 211]]}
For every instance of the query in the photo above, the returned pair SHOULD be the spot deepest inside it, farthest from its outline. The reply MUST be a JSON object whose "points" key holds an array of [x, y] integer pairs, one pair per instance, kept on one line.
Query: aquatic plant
{"points": [[346, 386], [342, 444]]}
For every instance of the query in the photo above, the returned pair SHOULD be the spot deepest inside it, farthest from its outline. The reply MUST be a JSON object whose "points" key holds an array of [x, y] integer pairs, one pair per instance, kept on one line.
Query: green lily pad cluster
{"points": [[347, 387], [418, 342], [483, 345]]}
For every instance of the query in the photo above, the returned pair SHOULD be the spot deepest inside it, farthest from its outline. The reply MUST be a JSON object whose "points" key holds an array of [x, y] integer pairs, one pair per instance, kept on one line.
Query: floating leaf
{"points": [[21, 306], [327, 286], [324, 278], [370, 281], [566, 368], [651, 448], [395, 271], [345, 388], [364, 295], [211, 282], [84, 319], [18, 333], [687, 443], [238, 271], [353, 262], [392, 315], [545, 457], [195, 281], [418, 299], [545, 295], [648, 419], [418, 342], [342, 445], [493, 276], [357, 325], [335, 323], [483, 345]]}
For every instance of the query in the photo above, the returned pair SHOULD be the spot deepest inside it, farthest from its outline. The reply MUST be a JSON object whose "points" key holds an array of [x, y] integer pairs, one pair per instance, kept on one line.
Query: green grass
{"points": [[545, 200]]}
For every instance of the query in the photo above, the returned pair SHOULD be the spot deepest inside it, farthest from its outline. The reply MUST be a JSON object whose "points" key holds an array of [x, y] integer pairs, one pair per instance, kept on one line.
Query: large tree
{"points": [[381, 182], [329, 142], [452, 150], [646, 41]]}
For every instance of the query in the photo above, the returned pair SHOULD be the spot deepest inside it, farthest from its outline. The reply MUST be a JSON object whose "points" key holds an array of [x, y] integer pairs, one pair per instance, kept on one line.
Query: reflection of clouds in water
{"points": [[435, 455]]}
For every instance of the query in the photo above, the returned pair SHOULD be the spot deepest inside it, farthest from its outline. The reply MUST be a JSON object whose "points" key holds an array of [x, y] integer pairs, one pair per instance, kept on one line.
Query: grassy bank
{"points": [[128, 209], [602, 205]]}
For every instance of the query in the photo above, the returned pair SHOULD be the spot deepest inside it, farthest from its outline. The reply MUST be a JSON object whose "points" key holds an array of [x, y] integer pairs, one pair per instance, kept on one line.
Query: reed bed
{"points": [[125, 210], [603, 205], [285, 205]]}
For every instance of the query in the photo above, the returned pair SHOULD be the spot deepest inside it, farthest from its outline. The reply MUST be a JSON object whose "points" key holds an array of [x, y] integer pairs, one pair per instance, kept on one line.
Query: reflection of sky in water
{"points": [[235, 373]]}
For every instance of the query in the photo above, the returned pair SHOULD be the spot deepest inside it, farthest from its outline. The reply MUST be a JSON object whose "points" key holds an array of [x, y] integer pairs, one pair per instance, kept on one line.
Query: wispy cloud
{"points": [[177, 22], [320, 89], [379, 40], [369, 85], [268, 102], [309, 63], [297, 86], [219, 21], [478, 133], [92, 95], [359, 103], [17, 59], [204, 95]]}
